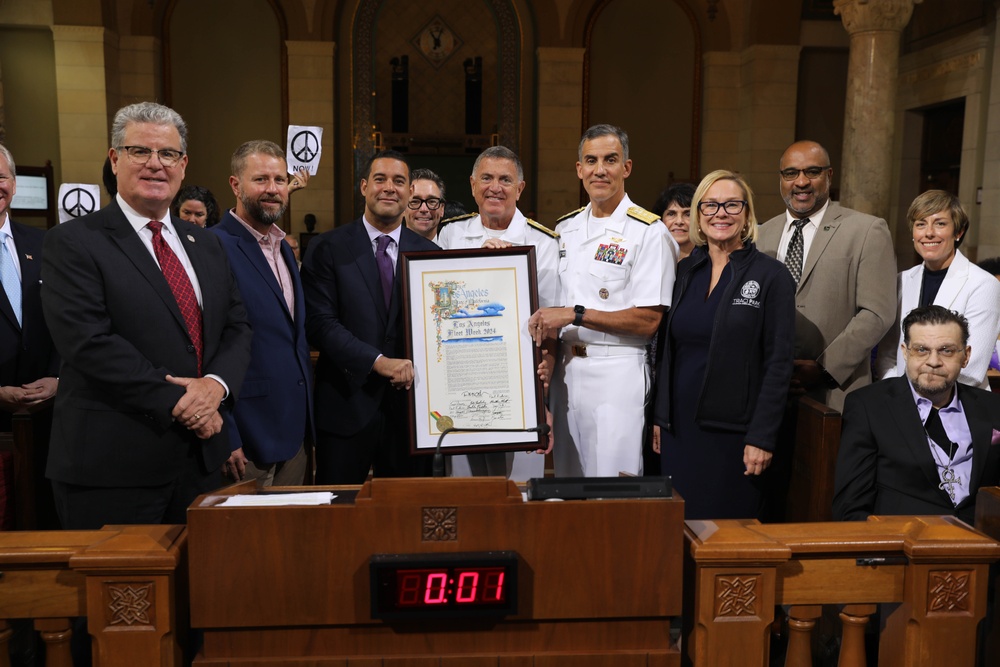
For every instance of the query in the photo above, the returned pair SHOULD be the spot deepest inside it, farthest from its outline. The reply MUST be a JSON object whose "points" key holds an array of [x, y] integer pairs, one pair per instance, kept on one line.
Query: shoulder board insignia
{"points": [[571, 214], [459, 217], [542, 228], [642, 215]]}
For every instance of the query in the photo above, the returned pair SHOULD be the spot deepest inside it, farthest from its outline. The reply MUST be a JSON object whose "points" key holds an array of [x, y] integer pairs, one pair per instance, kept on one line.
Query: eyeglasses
{"points": [[141, 154], [433, 203], [710, 208], [812, 173], [921, 352]]}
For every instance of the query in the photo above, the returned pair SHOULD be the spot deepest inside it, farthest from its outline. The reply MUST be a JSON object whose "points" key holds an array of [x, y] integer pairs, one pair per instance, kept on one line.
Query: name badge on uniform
{"points": [[611, 253]]}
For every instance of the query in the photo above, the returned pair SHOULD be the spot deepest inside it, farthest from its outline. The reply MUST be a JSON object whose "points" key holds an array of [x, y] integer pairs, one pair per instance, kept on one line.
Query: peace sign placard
{"points": [[77, 200], [304, 148]]}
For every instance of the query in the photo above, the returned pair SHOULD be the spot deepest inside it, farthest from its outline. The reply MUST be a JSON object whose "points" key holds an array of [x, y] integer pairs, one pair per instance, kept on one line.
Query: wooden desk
{"points": [[598, 583]]}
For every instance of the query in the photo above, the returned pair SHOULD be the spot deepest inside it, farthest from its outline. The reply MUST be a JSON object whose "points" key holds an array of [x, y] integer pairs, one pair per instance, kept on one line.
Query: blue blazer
{"points": [[350, 325], [274, 411]]}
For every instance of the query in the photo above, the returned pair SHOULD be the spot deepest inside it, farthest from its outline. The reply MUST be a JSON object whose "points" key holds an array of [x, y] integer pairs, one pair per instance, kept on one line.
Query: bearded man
{"points": [[273, 417]]}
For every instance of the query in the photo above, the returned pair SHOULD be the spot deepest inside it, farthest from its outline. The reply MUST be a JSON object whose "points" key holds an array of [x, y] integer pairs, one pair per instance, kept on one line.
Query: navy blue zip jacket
{"points": [[750, 355]]}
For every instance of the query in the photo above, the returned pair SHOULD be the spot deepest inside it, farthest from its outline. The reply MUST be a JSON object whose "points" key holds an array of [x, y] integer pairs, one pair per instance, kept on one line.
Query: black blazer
{"points": [[885, 466], [119, 332], [348, 322], [26, 352]]}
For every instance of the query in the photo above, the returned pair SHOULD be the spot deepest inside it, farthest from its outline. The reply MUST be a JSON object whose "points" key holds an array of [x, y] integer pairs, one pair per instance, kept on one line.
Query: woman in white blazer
{"points": [[938, 223]]}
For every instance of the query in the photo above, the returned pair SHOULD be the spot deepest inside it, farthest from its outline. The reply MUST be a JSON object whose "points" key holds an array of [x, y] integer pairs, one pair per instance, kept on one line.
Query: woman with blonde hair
{"points": [[938, 224], [727, 359]]}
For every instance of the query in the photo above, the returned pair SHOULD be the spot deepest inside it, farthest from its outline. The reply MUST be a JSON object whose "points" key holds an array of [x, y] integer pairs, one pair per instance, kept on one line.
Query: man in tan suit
{"points": [[845, 267], [845, 298]]}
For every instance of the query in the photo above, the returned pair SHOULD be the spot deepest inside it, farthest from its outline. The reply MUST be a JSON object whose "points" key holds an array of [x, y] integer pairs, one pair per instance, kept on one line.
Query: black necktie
{"points": [[935, 429], [794, 254]]}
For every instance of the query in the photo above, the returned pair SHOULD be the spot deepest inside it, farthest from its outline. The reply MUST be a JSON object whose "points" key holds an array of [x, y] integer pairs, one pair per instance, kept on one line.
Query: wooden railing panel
{"points": [[28, 441], [125, 580], [817, 440], [749, 568]]}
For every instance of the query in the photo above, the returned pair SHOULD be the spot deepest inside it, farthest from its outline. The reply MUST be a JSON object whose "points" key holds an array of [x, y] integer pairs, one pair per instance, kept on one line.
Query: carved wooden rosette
{"points": [[440, 524]]}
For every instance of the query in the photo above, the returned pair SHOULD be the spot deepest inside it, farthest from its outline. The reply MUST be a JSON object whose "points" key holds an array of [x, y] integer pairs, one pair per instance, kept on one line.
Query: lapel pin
{"points": [[190, 238], [826, 228], [27, 256]]}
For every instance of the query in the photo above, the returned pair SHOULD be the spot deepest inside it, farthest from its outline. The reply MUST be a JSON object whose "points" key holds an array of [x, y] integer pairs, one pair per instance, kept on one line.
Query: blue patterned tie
{"points": [[11, 282]]}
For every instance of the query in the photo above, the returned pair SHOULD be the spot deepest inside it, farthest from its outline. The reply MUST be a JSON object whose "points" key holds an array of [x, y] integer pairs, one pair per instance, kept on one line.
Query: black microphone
{"points": [[437, 466]]}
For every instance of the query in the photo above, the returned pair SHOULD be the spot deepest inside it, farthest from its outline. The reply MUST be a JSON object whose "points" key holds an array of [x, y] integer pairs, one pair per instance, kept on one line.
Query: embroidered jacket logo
{"points": [[748, 295]]}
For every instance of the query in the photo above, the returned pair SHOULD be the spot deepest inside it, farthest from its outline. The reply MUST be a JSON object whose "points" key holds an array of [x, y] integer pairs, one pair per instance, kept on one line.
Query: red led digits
{"points": [[493, 589], [458, 586], [436, 591], [463, 585], [468, 583]]}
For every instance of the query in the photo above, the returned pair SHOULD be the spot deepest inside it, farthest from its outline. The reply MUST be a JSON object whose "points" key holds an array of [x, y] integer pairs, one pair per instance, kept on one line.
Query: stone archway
{"points": [[366, 56]]}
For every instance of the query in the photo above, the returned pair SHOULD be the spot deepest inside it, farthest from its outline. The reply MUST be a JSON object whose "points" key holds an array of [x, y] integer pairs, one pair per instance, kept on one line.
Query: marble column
{"points": [[989, 216], [311, 85], [560, 107], [870, 113], [86, 89]]}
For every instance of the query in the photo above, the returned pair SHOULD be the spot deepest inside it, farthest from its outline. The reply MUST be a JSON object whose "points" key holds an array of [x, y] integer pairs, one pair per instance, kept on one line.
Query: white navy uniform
{"points": [[599, 394], [468, 232]]}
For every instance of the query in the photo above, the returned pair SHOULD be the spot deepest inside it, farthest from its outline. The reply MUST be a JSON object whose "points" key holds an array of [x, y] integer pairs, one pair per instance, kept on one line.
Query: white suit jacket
{"points": [[969, 291]]}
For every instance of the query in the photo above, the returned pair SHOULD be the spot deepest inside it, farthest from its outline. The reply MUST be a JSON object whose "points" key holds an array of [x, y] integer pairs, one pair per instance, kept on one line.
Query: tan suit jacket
{"points": [[846, 299]]}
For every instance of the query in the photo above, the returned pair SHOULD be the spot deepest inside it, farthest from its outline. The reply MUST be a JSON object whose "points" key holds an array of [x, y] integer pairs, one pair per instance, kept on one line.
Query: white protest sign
{"points": [[78, 199], [304, 148]]}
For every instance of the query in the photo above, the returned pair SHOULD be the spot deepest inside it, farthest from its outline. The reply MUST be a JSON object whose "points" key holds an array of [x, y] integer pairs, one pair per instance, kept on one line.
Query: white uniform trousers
{"points": [[598, 404]]}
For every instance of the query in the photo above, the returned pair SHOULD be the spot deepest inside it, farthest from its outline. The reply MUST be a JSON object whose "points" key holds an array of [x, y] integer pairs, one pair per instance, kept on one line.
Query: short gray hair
{"points": [[147, 112], [603, 130], [254, 147], [500, 153], [5, 153]]}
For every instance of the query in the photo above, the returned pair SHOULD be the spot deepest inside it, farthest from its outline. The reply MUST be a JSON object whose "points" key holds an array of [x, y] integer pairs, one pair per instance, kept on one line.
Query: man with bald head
{"points": [[845, 297], [844, 265]]}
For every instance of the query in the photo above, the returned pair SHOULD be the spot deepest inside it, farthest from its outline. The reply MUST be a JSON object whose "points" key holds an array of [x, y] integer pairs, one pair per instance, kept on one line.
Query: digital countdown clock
{"points": [[455, 585]]}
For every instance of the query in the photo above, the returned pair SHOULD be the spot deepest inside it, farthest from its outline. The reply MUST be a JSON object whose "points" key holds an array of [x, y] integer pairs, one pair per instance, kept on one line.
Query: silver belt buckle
{"points": [[579, 350]]}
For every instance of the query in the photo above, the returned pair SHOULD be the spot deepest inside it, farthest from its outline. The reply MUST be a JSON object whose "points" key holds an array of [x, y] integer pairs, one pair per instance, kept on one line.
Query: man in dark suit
{"points": [[354, 317], [153, 336], [923, 444], [29, 366], [269, 423]]}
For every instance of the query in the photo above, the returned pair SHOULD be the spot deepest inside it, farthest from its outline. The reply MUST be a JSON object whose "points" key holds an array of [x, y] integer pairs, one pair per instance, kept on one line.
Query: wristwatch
{"points": [[578, 318]]}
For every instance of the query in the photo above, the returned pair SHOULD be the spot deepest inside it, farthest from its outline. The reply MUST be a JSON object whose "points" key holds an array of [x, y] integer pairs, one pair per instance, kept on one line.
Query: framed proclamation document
{"points": [[474, 363]]}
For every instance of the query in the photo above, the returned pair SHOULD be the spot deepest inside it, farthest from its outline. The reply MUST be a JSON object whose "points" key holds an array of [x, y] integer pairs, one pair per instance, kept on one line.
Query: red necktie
{"points": [[180, 285]]}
